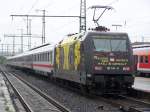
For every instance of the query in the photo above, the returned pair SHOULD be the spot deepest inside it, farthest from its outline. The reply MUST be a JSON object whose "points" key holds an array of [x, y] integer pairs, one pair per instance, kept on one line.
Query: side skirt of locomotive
{"points": [[112, 84], [101, 84]]}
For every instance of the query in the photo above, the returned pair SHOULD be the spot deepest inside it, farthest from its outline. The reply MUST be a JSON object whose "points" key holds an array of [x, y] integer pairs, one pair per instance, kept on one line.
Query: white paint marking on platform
{"points": [[5, 100]]}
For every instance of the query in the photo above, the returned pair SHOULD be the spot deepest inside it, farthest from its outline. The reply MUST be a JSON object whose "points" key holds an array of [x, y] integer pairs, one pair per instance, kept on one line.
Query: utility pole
{"points": [[82, 19], [82, 16], [29, 39], [7, 48], [27, 25], [22, 36], [13, 36], [21, 39], [43, 25], [44, 16]]}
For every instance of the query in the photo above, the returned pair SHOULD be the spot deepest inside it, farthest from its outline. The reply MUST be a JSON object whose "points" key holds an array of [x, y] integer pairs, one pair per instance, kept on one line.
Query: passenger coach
{"points": [[39, 59], [142, 60]]}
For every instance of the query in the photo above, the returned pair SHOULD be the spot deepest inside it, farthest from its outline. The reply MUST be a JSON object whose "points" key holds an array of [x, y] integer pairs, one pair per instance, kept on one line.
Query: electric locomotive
{"points": [[97, 61]]}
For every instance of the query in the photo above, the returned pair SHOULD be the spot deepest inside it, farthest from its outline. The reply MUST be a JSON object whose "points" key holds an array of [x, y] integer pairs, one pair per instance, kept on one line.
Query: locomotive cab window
{"points": [[109, 43]]}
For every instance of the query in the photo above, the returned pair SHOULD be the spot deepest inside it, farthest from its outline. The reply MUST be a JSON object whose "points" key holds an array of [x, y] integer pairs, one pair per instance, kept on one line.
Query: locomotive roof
{"points": [[82, 36], [111, 33], [45, 48]]}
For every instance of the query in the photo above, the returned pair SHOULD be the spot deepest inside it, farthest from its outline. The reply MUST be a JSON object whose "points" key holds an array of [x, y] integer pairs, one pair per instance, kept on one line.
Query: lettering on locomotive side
{"points": [[121, 60], [111, 61]]}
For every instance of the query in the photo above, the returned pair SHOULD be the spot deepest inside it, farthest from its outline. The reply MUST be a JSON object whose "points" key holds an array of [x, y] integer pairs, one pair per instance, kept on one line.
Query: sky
{"points": [[133, 15]]}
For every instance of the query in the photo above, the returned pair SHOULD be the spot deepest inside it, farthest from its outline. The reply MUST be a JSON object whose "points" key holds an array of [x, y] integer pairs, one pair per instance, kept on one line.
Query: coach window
{"points": [[50, 57], [141, 59], [47, 56], [38, 57], [41, 57], [146, 59], [34, 57], [44, 56]]}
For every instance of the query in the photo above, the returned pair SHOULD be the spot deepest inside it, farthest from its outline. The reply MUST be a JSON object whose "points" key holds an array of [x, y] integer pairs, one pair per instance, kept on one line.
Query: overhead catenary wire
{"points": [[33, 5]]}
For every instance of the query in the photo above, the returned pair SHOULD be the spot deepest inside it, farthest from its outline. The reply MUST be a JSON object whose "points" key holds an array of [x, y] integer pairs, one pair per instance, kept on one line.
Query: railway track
{"points": [[126, 104], [32, 99], [136, 105]]}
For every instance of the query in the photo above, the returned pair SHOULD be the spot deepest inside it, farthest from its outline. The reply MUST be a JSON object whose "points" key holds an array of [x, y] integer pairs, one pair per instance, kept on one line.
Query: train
{"points": [[142, 60], [96, 61]]}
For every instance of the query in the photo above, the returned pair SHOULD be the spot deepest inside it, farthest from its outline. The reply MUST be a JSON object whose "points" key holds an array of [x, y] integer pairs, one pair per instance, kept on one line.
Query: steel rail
{"points": [[137, 109], [21, 99], [47, 97], [129, 108]]}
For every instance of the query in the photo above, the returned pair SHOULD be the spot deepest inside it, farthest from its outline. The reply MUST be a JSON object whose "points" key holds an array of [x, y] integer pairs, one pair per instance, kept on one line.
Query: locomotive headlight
{"points": [[89, 75], [98, 68], [126, 68]]}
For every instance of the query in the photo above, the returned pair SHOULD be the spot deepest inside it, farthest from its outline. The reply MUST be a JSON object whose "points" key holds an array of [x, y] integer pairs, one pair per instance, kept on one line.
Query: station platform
{"points": [[142, 84], [5, 100]]}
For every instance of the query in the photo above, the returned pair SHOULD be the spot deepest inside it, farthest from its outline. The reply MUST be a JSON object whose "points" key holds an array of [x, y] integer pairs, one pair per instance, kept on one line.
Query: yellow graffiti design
{"points": [[66, 62], [77, 55]]}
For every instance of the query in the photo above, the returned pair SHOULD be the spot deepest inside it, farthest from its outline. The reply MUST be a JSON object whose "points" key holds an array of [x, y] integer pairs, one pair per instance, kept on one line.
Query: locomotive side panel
{"points": [[68, 62]]}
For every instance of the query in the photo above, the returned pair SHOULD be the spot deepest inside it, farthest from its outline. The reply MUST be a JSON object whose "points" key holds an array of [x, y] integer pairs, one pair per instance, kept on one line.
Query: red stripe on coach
{"points": [[43, 65]]}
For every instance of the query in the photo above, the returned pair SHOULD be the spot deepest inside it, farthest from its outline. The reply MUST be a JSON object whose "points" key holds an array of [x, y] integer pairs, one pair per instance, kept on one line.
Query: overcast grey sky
{"points": [[136, 13]]}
